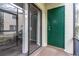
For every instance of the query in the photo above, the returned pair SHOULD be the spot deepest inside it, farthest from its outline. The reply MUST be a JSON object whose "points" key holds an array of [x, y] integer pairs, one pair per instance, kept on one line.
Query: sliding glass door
{"points": [[76, 29], [34, 28]]}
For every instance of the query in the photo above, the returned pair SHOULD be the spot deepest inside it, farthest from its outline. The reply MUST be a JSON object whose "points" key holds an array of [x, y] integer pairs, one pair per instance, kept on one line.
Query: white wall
{"points": [[25, 31], [53, 5], [69, 28]]}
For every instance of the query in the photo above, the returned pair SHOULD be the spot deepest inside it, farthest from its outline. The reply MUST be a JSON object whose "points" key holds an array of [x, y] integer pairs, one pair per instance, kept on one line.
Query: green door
{"points": [[56, 26]]}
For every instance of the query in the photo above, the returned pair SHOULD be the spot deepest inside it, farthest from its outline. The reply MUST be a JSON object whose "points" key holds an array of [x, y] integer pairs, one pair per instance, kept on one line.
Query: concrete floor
{"points": [[42, 51], [50, 51]]}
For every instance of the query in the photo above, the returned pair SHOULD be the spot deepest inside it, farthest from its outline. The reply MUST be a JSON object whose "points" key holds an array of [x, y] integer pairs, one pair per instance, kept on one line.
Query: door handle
{"points": [[49, 27], [30, 28]]}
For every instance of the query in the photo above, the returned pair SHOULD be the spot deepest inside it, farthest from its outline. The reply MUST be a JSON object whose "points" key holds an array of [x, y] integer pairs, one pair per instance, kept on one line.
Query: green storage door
{"points": [[56, 27]]}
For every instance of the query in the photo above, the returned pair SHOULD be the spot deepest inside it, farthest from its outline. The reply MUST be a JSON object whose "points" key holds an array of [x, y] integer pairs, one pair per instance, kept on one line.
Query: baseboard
{"points": [[44, 45], [68, 52]]}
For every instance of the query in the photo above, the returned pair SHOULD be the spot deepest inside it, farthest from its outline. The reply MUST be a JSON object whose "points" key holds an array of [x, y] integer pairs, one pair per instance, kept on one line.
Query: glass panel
{"points": [[34, 40]]}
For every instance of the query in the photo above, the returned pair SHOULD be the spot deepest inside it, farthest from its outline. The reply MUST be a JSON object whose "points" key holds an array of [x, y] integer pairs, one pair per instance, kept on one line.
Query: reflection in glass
{"points": [[7, 33]]}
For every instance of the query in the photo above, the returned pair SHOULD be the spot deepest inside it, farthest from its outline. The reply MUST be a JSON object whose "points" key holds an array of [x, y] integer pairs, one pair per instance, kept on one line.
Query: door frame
{"points": [[29, 27], [74, 21]]}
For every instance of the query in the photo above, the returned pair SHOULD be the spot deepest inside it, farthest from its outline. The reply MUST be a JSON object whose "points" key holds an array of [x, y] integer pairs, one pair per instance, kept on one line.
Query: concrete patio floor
{"points": [[50, 51]]}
